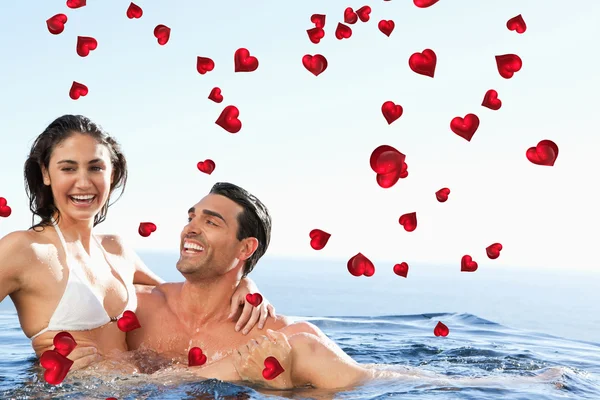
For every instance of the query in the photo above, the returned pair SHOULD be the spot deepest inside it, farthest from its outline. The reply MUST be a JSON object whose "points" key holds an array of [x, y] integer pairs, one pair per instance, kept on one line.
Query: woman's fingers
{"points": [[252, 320], [83, 357], [271, 309], [246, 313]]}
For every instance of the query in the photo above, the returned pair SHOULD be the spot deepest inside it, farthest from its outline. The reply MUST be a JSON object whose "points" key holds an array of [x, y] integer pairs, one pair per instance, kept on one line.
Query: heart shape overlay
{"points": [[272, 368], [467, 264], [56, 23], [388, 163], [545, 153], [128, 322], [361, 265], [56, 365], [207, 166], [409, 221], [441, 329], [5, 210], [255, 299], [442, 195], [196, 357], [493, 250], [318, 239], [401, 269], [146, 228], [64, 343]]}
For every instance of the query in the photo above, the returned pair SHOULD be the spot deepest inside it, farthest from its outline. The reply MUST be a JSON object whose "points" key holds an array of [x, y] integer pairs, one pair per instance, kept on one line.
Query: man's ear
{"points": [[45, 175], [249, 247]]}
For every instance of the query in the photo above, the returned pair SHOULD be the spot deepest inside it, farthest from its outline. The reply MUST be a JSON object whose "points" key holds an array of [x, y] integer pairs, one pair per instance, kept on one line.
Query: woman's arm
{"points": [[10, 269], [250, 314], [142, 274]]}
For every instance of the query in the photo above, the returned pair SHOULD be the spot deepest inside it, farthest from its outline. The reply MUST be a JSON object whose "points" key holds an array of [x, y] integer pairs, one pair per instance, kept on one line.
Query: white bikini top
{"points": [[81, 307]]}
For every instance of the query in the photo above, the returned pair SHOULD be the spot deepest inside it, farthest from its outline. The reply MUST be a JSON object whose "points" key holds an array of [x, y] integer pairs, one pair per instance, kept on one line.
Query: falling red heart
{"points": [[467, 264], [493, 250], [391, 111], [56, 365], [388, 163], [272, 368], [318, 20], [146, 228], [128, 322], [350, 17], [409, 221], [441, 329], [64, 343], [315, 64], [386, 27], [343, 31], [465, 127], [424, 3], [508, 64], [491, 100], [111, 398], [254, 299], [207, 166], [85, 44], [363, 13], [56, 24], [360, 265], [423, 63], [215, 95], [229, 120], [517, 24], [195, 357], [75, 3], [318, 238], [5, 210], [244, 62], [380, 167], [401, 269], [204, 65], [545, 153], [162, 33], [134, 11], [315, 34], [77, 90], [442, 195]]}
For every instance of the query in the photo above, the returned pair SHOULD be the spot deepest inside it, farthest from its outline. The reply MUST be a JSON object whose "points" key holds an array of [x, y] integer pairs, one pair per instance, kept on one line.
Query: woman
{"points": [[59, 274]]}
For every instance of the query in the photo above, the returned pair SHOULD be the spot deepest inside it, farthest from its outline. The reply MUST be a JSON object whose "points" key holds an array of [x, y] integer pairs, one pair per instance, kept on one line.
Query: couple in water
{"points": [[63, 277]]}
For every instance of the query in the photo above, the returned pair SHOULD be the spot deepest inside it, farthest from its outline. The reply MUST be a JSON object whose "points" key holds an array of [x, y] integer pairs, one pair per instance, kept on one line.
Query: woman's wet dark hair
{"points": [[41, 201], [253, 221]]}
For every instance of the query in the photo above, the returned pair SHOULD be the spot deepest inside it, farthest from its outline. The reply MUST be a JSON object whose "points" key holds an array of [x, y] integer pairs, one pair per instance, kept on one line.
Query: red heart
{"points": [[128, 322], [134, 11], [467, 264], [204, 65], [386, 27], [162, 33], [318, 20], [441, 329], [5, 210], [361, 265], [77, 90], [215, 95], [424, 3], [85, 44], [545, 153], [491, 100], [315, 34], [516, 24], [493, 250], [75, 3], [146, 228], [272, 368], [315, 64], [318, 239], [254, 299], [195, 357], [350, 17], [391, 111], [244, 62], [228, 119], [388, 163], [423, 63], [363, 13], [466, 127], [56, 365], [64, 343], [401, 269], [409, 221], [382, 168], [442, 195], [508, 64], [207, 166], [56, 24], [343, 31]]}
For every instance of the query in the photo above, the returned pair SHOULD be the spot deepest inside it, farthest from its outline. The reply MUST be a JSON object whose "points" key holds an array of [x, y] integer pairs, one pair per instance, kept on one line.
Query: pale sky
{"points": [[305, 143]]}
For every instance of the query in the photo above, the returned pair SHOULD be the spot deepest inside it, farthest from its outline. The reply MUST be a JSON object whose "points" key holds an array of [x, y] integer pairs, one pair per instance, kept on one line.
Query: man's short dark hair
{"points": [[253, 221]]}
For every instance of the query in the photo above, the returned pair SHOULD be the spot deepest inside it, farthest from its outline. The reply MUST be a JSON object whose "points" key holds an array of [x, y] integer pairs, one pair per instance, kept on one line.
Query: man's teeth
{"points": [[193, 246]]}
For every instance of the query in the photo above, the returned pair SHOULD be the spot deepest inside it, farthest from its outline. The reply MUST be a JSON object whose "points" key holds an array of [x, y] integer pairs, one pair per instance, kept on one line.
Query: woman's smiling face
{"points": [[79, 166]]}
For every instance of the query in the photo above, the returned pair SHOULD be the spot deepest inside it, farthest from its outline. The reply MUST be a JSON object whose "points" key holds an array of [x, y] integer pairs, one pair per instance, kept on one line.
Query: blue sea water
{"points": [[504, 323]]}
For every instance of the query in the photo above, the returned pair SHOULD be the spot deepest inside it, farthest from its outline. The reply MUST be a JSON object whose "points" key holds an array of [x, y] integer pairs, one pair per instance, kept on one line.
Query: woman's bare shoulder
{"points": [[19, 248], [114, 244]]}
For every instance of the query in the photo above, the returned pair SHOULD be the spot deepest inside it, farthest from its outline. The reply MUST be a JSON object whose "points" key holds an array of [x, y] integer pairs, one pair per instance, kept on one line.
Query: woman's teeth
{"points": [[82, 199]]}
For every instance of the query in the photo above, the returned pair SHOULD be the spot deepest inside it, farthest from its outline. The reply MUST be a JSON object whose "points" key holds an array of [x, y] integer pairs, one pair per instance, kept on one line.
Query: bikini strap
{"points": [[62, 240]]}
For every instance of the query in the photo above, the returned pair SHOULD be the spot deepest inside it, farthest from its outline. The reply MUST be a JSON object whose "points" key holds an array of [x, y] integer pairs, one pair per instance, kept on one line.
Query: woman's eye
{"points": [[97, 168]]}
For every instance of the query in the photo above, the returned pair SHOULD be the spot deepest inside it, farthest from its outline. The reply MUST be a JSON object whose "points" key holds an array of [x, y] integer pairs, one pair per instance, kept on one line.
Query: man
{"points": [[227, 232]]}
